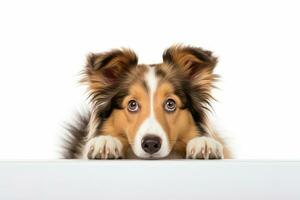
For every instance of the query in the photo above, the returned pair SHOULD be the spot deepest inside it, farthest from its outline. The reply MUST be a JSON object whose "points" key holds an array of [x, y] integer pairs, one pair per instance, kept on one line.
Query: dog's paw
{"points": [[103, 147], [204, 148]]}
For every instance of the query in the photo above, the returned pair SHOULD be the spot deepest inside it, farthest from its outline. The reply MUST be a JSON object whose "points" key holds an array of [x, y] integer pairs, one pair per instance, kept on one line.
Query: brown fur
{"points": [[186, 75]]}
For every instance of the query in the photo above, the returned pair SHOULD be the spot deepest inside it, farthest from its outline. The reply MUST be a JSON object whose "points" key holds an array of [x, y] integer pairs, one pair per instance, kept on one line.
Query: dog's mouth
{"points": [[153, 158]]}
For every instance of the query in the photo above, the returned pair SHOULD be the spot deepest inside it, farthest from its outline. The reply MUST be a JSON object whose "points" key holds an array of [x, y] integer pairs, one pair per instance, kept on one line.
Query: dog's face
{"points": [[153, 106], [153, 115]]}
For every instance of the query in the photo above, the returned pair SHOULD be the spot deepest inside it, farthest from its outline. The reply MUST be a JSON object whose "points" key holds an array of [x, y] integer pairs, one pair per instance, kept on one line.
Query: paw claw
{"points": [[192, 151]]}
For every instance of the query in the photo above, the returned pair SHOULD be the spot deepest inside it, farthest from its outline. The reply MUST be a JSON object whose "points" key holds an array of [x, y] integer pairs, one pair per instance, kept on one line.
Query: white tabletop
{"points": [[143, 180]]}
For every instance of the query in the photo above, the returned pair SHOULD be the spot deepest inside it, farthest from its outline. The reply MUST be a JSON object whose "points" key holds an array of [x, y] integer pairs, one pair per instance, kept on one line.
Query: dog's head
{"points": [[152, 106]]}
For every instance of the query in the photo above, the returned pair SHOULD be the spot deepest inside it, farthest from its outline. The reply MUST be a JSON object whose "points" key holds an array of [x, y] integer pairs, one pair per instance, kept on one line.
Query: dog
{"points": [[156, 111]]}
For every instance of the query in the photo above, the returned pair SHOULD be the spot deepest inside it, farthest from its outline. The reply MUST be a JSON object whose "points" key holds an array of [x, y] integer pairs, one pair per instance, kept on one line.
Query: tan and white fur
{"points": [[148, 111]]}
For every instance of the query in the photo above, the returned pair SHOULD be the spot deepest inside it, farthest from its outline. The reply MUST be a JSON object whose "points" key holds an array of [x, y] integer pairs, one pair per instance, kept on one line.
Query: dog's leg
{"points": [[103, 147], [204, 147]]}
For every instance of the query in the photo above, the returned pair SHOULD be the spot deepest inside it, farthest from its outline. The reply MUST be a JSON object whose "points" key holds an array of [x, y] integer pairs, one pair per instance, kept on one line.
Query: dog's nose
{"points": [[151, 144]]}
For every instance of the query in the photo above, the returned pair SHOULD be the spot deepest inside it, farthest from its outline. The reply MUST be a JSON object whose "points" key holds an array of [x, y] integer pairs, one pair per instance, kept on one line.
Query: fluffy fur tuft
{"points": [[75, 139]]}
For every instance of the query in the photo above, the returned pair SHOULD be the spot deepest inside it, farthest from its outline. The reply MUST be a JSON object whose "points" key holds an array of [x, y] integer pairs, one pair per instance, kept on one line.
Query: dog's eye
{"points": [[133, 106], [170, 105]]}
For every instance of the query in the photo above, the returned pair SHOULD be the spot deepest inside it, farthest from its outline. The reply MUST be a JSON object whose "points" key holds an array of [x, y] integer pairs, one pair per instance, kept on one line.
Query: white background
{"points": [[43, 47]]}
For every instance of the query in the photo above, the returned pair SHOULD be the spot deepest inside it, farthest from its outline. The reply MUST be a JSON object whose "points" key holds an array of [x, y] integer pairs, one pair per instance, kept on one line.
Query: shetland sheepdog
{"points": [[147, 111]]}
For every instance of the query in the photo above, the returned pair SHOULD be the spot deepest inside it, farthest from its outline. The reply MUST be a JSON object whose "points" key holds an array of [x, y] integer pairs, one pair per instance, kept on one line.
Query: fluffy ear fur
{"points": [[195, 66], [108, 67], [103, 74], [193, 61]]}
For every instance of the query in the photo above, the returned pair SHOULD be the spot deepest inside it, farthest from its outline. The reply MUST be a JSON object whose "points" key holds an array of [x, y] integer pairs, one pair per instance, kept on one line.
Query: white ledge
{"points": [[143, 180]]}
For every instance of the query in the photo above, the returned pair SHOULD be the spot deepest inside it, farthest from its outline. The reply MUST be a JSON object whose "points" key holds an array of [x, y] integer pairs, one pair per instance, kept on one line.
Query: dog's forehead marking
{"points": [[151, 125], [152, 82]]}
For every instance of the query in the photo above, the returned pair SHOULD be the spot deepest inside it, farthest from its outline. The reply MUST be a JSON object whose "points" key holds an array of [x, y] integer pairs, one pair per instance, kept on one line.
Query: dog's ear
{"points": [[196, 66], [193, 62], [107, 68]]}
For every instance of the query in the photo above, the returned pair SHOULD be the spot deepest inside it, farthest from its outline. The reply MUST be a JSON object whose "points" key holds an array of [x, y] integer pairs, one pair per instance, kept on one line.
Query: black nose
{"points": [[151, 144]]}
